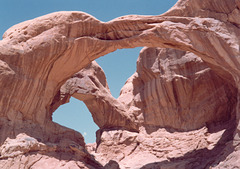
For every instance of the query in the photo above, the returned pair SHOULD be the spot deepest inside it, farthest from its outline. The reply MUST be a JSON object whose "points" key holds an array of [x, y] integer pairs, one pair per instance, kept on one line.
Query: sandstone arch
{"points": [[38, 56], [170, 89]]}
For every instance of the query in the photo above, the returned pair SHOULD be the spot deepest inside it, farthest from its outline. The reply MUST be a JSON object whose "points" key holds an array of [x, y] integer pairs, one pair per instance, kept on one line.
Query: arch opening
{"points": [[118, 66], [91, 86], [76, 115]]}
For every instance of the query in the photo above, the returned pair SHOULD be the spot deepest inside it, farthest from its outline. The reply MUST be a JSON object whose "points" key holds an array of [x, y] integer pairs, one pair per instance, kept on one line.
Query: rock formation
{"points": [[90, 86], [38, 56], [176, 89], [171, 91]]}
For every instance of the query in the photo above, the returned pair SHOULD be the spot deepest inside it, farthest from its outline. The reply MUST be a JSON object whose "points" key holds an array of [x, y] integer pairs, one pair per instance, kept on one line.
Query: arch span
{"points": [[44, 52], [38, 56]]}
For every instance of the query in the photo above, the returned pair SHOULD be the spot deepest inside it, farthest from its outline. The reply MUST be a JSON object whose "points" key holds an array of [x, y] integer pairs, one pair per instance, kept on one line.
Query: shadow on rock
{"points": [[203, 158]]}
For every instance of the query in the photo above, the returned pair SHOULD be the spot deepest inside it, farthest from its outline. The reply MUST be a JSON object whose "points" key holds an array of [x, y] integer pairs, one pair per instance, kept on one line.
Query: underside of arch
{"points": [[38, 56]]}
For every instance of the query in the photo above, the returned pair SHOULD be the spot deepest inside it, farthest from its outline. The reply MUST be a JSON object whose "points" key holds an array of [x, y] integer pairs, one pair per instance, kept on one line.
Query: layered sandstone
{"points": [[176, 89], [38, 56], [171, 91], [90, 86]]}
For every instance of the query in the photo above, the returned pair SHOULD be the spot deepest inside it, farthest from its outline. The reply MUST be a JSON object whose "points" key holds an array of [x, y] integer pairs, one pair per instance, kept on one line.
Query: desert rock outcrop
{"points": [[176, 89], [90, 86], [38, 56], [171, 89]]}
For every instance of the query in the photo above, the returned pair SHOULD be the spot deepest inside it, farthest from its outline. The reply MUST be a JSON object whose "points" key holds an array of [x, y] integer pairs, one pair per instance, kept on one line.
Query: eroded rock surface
{"points": [[176, 89], [38, 56], [90, 86], [171, 89]]}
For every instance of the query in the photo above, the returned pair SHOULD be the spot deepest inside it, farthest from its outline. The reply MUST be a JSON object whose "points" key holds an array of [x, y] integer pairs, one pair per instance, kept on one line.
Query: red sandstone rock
{"points": [[176, 89], [171, 89], [90, 86], [38, 56]]}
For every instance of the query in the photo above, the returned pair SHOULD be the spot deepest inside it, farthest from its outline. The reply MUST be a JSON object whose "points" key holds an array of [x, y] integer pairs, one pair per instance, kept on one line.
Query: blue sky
{"points": [[118, 66]]}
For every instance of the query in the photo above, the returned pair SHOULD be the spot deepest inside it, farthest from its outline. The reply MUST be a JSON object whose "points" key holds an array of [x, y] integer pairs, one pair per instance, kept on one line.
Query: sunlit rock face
{"points": [[38, 56]]}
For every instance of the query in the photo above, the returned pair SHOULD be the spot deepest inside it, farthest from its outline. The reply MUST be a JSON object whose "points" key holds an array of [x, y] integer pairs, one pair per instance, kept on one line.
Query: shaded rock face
{"points": [[194, 149], [38, 56], [176, 89]]}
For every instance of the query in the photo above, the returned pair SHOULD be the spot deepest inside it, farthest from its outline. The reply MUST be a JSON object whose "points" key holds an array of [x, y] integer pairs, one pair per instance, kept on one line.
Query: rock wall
{"points": [[38, 56], [176, 89]]}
